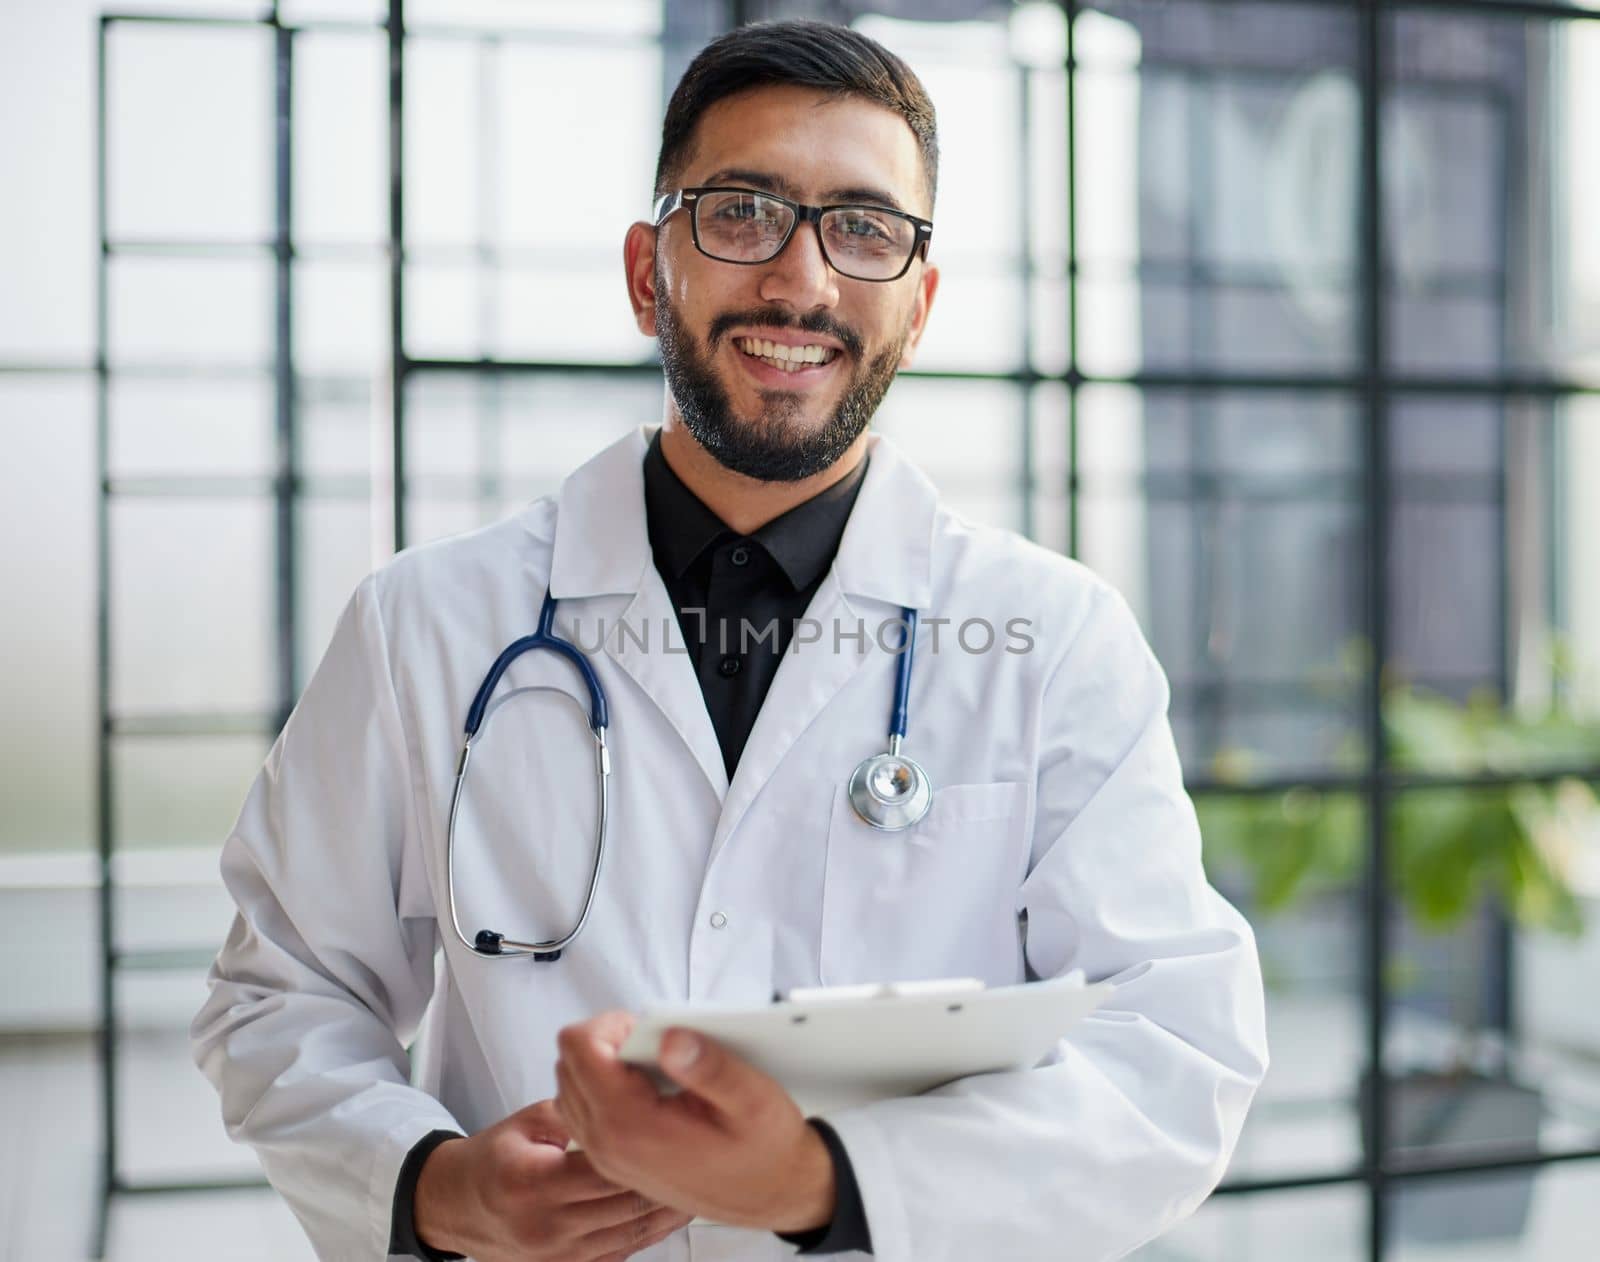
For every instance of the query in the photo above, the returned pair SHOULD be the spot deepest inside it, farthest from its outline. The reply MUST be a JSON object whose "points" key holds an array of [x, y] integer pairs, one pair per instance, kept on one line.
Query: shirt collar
{"points": [[601, 545], [679, 525], [802, 541]]}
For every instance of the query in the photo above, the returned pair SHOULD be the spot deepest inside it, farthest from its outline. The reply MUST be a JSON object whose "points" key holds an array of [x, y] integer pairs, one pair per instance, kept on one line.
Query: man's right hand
{"points": [[513, 1191]]}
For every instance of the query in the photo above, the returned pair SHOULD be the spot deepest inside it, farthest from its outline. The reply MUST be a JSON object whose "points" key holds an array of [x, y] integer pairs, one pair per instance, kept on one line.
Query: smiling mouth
{"points": [[786, 358]]}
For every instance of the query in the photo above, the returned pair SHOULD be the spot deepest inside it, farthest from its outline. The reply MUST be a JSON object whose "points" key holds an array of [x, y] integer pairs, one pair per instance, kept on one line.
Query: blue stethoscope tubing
{"points": [[486, 942], [888, 791]]}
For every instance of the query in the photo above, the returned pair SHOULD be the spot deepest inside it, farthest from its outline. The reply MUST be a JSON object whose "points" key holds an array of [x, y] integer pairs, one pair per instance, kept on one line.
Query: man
{"points": [[1059, 836]]}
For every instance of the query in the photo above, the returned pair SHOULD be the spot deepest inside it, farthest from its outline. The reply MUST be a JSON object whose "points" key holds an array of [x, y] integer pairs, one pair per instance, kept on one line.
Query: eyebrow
{"points": [[766, 181]]}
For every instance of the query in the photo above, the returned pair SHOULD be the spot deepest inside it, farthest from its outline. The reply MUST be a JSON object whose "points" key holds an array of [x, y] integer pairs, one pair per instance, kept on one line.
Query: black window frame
{"points": [[1372, 382]]}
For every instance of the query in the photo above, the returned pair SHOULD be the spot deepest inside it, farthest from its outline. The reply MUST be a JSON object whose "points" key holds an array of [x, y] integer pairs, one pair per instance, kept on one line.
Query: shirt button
{"points": [[739, 555], [728, 667], [718, 920]]}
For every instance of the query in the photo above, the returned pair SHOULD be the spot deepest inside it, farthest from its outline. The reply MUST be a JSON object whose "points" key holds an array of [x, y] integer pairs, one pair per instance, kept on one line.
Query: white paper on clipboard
{"points": [[847, 1046]]}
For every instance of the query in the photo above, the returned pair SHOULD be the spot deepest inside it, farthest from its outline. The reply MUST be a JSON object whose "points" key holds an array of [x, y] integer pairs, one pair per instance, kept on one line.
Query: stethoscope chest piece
{"points": [[890, 791]]}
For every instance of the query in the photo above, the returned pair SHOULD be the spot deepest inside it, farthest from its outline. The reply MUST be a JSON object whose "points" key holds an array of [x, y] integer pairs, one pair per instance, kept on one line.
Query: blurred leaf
{"points": [[1289, 842], [1428, 731], [1450, 847]]}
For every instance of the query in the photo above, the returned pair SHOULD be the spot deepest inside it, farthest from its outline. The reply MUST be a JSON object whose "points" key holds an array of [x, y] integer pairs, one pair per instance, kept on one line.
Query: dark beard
{"points": [[768, 447]]}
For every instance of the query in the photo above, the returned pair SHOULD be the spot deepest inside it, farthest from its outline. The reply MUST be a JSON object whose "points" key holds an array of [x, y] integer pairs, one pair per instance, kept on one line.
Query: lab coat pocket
{"points": [[935, 900]]}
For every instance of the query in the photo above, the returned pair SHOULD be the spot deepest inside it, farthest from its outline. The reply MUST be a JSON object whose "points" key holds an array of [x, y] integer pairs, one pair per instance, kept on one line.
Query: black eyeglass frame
{"points": [[688, 198]]}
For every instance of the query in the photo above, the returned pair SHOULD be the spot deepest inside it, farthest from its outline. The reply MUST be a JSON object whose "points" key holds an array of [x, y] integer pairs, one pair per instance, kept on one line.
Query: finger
{"points": [[644, 1244], [588, 1217], [572, 1080], [577, 1180], [713, 1073], [609, 1029], [572, 1102], [630, 1237], [543, 1121], [564, 1109], [600, 1082], [589, 1048]]}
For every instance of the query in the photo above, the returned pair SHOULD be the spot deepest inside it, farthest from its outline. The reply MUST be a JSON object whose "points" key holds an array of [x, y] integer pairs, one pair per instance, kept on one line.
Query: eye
{"points": [[748, 210], [864, 232], [865, 228]]}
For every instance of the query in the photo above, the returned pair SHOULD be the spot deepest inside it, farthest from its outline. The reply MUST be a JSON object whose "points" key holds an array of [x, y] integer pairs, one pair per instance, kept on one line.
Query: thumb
{"points": [[542, 1122], [710, 1071]]}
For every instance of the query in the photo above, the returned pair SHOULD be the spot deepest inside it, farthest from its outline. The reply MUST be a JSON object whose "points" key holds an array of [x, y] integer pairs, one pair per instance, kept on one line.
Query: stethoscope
{"points": [[888, 791]]}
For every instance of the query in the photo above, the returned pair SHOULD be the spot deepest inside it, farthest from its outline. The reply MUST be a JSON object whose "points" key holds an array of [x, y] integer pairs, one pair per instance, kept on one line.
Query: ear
{"points": [[927, 286], [639, 262]]}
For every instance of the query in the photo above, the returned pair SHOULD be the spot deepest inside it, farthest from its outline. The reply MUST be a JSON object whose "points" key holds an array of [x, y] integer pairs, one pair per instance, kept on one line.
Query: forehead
{"points": [[818, 145]]}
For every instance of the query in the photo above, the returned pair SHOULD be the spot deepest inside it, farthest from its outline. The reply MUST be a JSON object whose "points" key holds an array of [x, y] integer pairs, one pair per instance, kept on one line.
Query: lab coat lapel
{"points": [[650, 646], [884, 564], [602, 548], [808, 678]]}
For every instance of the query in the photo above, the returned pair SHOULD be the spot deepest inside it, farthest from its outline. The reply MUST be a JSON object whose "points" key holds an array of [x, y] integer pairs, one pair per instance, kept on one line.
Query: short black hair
{"points": [[798, 53]]}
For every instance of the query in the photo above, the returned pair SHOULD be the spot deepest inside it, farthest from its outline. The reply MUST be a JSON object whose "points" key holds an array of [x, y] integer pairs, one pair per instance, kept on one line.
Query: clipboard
{"points": [[839, 1047]]}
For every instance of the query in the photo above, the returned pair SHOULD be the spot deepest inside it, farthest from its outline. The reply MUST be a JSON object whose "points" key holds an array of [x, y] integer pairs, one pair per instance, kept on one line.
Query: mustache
{"points": [[777, 318]]}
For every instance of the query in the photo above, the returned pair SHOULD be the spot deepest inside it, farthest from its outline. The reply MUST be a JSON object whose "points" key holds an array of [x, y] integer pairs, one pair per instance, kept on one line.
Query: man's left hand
{"points": [[733, 1147]]}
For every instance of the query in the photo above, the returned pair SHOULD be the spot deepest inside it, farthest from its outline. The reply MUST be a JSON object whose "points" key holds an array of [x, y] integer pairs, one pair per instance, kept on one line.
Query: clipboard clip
{"points": [[936, 988]]}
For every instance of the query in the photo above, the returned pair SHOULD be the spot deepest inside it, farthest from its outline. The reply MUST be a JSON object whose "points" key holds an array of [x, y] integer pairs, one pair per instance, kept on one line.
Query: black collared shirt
{"points": [[737, 598]]}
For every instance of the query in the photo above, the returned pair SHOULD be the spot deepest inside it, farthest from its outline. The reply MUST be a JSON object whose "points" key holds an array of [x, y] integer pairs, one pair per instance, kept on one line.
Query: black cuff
{"points": [[848, 1230], [402, 1229]]}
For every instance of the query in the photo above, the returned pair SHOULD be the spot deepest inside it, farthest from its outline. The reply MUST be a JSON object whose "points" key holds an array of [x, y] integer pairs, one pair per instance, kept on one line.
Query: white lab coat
{"points": [[1058, 792]]}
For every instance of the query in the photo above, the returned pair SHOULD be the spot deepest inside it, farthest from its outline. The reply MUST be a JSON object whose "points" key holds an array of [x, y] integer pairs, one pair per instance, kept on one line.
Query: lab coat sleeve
{"points": [[1129, 1124], [328, 966]]}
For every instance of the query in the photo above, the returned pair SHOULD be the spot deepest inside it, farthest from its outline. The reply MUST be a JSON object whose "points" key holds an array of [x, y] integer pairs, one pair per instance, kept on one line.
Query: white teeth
{"points": [[786, 357]]}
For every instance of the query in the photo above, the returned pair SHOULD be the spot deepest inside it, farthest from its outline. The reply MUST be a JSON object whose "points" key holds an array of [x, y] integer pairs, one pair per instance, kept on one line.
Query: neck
{"points": [[744, 504]]}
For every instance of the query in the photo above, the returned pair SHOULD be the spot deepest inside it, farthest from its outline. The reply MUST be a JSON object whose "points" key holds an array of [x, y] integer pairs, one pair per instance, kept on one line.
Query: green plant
{"points": [[1450, 848]]}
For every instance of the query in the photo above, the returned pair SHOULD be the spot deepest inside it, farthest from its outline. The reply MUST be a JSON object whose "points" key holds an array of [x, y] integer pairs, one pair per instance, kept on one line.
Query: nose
{"points": [[800, 276]]}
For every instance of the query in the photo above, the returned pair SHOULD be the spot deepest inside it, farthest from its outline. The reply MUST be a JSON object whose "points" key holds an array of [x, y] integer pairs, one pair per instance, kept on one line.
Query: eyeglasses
{"points": [[741, 225]]}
